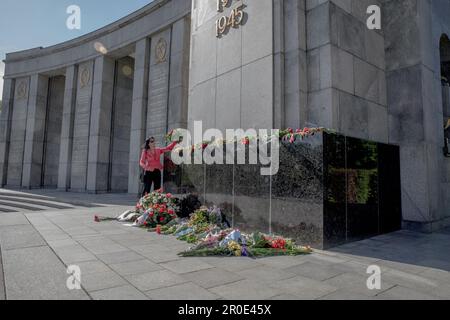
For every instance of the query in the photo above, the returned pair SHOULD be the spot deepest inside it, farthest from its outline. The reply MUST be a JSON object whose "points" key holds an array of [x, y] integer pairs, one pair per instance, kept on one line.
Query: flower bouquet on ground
{"points": [[158, 209], [234, 243]]}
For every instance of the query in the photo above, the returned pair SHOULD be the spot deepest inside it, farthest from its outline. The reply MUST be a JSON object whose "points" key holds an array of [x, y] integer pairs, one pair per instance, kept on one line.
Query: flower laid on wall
{"points": [[287, 135]]}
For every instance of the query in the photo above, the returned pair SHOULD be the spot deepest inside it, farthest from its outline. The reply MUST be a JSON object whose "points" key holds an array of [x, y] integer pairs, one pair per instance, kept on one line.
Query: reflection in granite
{"points": [[362, 189], [389, 188], [334, 213], [297, 192], [330, 189]]}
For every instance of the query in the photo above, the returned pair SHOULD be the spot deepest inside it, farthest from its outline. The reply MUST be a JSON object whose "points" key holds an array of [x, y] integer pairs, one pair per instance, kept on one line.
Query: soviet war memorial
{"points": [[225, 149]]}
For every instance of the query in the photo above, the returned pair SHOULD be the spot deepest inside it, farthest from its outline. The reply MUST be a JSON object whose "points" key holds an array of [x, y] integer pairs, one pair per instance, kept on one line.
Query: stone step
{"points": [[37, 197], [20, 206], [7, 210], [45, 203]]}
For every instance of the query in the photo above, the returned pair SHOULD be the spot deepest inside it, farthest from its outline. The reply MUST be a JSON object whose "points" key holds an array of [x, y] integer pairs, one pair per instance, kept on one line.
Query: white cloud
{"points": [[2, 72]]}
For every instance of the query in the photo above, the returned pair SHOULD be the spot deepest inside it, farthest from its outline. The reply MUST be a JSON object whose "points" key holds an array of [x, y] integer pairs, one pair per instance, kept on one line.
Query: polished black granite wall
{"points": [[330, 189]]}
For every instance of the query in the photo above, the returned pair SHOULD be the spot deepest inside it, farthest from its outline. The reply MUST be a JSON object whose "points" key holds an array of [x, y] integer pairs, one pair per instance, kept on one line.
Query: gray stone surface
{"points": [[5, 127], [247, 51], [36, 274], [158, 90], [135, 267], [2, 279], [99, 281], [155, 280], [126, 292], [35, 132], [138, 112], [53, 127], [78, 179], [19, 236], [18, 130], [67, 127], [185, 291], [413, 265]]}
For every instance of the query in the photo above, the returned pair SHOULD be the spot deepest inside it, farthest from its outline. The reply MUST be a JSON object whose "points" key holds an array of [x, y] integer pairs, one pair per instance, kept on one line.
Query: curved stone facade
{"points": [[75, 114]]}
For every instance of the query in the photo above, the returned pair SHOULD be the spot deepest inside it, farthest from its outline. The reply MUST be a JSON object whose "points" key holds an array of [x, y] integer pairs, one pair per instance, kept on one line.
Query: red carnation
{"points": [[96, 219]]}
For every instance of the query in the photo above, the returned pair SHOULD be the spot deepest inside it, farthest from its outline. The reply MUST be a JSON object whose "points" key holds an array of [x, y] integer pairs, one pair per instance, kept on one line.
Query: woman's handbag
{"points": [[141, 176]]}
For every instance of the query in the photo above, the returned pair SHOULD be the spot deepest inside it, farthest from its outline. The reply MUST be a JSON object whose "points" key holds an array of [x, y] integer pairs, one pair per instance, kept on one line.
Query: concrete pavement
{"points": [[121, 262]]}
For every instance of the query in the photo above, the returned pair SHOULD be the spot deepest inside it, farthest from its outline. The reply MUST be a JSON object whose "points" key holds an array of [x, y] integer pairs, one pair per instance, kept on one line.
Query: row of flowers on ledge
{"points": [[287, 135]]}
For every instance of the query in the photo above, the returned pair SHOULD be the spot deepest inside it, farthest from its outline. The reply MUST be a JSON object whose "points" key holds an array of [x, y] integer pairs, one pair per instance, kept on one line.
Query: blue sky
{"points": [[27, 24]]}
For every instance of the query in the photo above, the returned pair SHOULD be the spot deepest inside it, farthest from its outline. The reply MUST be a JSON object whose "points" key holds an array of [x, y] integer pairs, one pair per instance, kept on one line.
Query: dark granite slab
{"points": [[329, 190]]}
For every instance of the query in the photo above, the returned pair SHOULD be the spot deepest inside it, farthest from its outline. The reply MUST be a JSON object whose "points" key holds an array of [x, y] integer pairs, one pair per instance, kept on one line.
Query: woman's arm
{"points": [[170, 147], [143, 161]]}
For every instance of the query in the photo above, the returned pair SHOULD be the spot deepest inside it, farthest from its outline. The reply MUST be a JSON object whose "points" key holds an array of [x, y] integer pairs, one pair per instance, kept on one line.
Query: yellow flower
{"points": [[234, 246]]}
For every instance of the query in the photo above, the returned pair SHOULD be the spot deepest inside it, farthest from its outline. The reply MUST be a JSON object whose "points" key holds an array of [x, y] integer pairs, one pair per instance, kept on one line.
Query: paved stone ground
{"points": [[121, 262]]}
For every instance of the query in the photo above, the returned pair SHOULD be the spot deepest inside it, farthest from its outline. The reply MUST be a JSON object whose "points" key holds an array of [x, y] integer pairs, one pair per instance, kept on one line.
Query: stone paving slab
{"points": [[104, 280], [155, 280], [12, 219], [20, 236], [357, 284], [185, 291], [303, 288], [212, 277], [265, 274], [135, 267], [2, 282], [120, 262], [402, 293], [36, 274], [317, 271], [93, 267], [119, 257], [121, 293], [246, 290], [186, 265]]}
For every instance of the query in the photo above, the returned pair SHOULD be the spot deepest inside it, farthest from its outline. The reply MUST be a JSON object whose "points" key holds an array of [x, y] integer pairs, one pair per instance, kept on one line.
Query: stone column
{"points": [[100, 128], [158, 88], [139, 111], [278, 64], [179, 74], [34, 137], [5, 128], [295, 70], [65, 153]]}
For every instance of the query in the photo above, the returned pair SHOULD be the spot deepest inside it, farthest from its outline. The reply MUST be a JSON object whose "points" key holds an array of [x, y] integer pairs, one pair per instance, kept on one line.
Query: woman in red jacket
{"points": [[151, 163]]}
